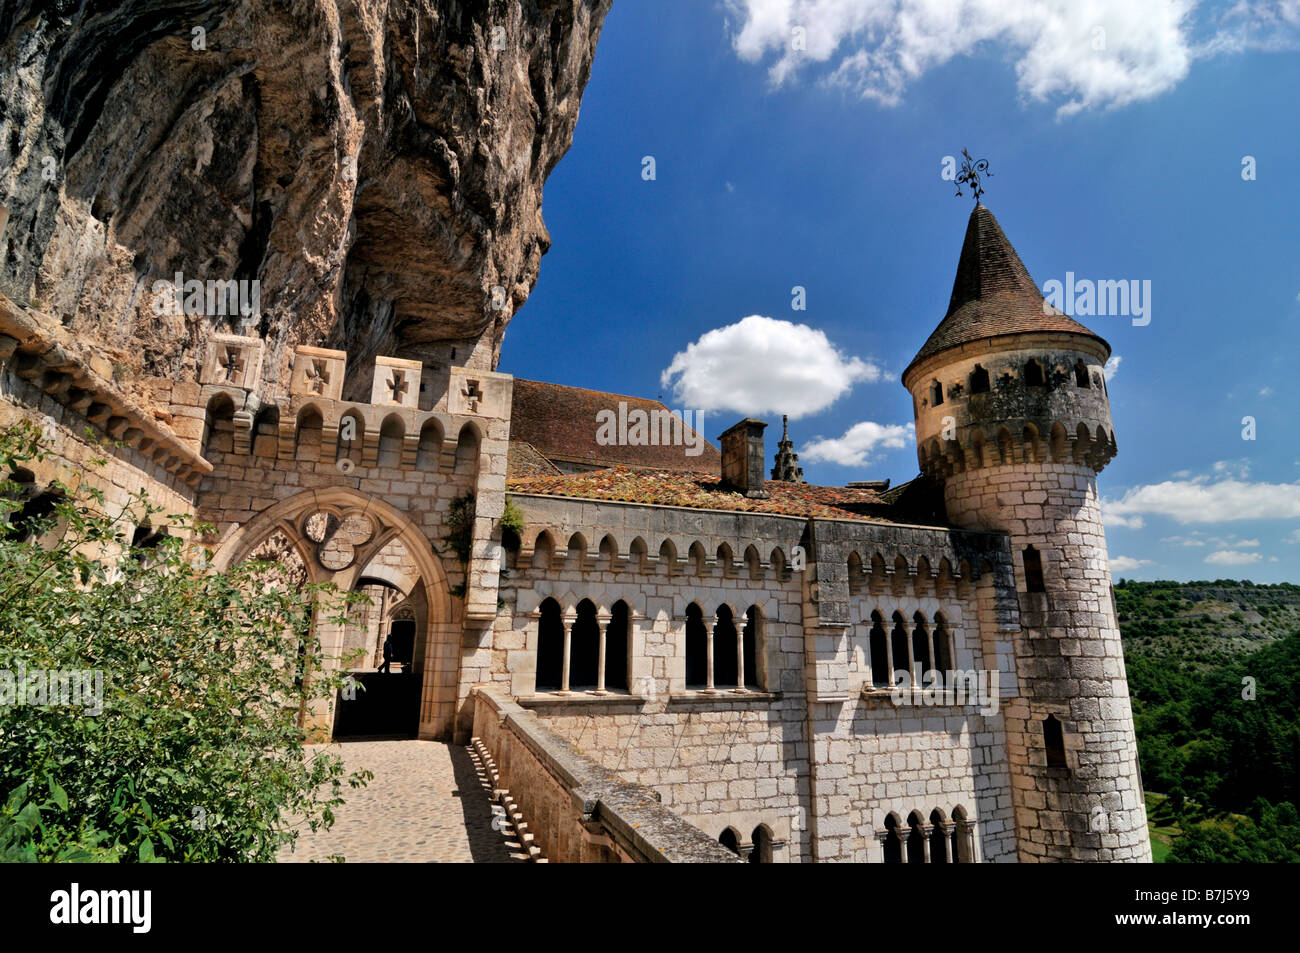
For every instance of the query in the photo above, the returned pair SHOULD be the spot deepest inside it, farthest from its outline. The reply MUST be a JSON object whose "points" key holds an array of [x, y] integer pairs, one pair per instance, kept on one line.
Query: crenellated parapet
{"points": [[393, 431], [1016, 399], [413, 441]]}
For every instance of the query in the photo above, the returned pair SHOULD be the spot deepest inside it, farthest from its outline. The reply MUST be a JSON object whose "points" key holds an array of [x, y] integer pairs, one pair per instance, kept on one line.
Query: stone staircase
{"points": [[506, 815]]}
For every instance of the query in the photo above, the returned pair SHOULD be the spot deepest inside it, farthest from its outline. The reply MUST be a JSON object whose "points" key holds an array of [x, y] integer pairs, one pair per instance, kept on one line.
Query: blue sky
{"points": [[1115, 155]]}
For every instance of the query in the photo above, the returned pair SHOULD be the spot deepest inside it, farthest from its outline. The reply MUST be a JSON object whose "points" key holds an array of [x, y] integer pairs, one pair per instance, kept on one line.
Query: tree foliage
{"points": [[199, 750]]}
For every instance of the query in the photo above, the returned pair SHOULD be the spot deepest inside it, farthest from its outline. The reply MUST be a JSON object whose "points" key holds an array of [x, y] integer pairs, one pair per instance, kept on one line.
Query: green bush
{"points": [[188, 741]]}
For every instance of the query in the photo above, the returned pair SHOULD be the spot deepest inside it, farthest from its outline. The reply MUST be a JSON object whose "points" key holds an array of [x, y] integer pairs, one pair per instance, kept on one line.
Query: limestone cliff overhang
{"points": [[37, 349], [993, 296]]}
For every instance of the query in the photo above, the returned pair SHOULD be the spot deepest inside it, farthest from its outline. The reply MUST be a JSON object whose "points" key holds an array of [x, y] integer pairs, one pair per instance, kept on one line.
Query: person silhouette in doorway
{"points": [[388, 655]]}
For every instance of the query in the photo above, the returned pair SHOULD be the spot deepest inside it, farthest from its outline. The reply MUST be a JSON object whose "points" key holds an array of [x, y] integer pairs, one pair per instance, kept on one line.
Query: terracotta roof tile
{"points": [[560, 423], [705, 491], [992, 293], [523, 460]]}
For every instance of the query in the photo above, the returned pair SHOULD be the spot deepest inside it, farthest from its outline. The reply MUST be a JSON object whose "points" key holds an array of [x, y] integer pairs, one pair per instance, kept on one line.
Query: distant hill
{"points": [[1214, 672], [1204, 624]]}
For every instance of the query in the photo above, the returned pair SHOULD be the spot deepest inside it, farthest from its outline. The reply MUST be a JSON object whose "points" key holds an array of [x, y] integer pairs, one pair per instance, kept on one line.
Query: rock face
{"points": [[375, 165]]}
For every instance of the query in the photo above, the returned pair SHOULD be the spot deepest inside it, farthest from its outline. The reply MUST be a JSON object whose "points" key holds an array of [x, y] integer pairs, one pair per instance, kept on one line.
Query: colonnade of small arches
{"points": [[588, 648], [547, 552], [757, 849], [940, 840], [901, 650], [1029, 373], [356, 434], [898, 576], [1005, 445]]}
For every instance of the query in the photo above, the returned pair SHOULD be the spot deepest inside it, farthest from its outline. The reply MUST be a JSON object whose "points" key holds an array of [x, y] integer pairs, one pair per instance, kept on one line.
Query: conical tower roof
{"points": [[993, 294]]}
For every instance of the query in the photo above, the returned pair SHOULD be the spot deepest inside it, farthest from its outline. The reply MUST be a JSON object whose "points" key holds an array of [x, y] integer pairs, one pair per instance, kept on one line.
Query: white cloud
{"points": [[1116, 520], [1231, 557], [1112, 367], [1239, 468], [854, 448], [1200, 501], [1266, 392], [1126, 564], [1079, 54], [1183, 541], [1294, 537], [764, 365]]}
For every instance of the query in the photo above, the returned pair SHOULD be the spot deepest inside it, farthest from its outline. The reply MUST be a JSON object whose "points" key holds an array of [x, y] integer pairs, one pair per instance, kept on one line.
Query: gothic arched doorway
{"points": [[363, 545]]}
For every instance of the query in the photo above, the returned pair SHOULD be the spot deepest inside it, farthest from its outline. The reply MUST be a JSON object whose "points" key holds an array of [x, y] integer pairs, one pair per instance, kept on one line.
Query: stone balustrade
{"points": [[575, 809]]}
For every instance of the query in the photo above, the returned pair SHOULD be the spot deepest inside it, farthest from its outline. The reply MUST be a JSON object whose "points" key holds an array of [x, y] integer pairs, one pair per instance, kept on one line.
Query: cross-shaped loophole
{"points": [[318, 376], [233, 363], [398, 385], [472, 395]]}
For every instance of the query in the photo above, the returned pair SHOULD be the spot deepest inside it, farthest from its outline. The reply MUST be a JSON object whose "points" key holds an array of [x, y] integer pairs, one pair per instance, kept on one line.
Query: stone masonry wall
{"points": [[1070, 663]]}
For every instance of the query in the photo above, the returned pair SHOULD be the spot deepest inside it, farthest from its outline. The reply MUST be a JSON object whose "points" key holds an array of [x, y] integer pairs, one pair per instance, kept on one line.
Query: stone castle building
{"points": [[755, 656]]}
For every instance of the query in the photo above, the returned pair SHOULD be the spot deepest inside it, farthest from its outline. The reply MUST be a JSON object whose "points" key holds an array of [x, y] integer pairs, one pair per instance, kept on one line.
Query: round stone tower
{"points": [[1013, 420]]}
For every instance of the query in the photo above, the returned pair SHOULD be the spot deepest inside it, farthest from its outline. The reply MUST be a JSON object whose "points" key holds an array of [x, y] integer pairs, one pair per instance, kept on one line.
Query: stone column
{"points": [[708, 686], [740, 658], [602, 621], [568, 644]]}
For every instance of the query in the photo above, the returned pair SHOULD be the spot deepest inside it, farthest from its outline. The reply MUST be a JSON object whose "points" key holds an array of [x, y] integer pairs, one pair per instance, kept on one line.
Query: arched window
{"points": [[35, 518], [960, 837], [584, 647], [1054, 742], [752, 639], [915, 839], [543, 551], [467, 450], [307, 434], [697, 648], [730, 840], [144, 541], [761, 853], [942, 645], [550, 647], [893, 841], [352, 437], [1033, 570], [901, 655], [979, 380], [1033, 373], [879, 652], [391, 434], [938, 838], [936, 394], [921, 646], [725, 660], [1081, 374], [616, 646], [219, 426], [429, 450]]}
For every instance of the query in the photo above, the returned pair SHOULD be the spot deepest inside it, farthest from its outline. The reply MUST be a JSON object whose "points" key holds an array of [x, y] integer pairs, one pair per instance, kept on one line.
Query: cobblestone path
{"points": [[425, 804]]}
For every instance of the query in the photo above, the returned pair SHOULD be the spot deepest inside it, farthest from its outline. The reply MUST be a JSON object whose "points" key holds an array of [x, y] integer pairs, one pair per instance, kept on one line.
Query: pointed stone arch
{"points": [[438, 687]]}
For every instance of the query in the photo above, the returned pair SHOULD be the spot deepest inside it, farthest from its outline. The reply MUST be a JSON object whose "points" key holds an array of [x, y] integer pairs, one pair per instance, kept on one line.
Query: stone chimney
{"points": [[743, 457]]}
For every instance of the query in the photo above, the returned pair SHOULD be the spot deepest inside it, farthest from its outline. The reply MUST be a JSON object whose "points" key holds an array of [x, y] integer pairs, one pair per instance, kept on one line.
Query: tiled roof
{"points": [[705, 491], [560, 423], [523, 460], [992, 293]]}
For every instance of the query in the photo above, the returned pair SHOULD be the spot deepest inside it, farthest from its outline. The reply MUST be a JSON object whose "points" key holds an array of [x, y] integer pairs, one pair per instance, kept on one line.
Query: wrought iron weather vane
{"points": [[971, 172]]}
